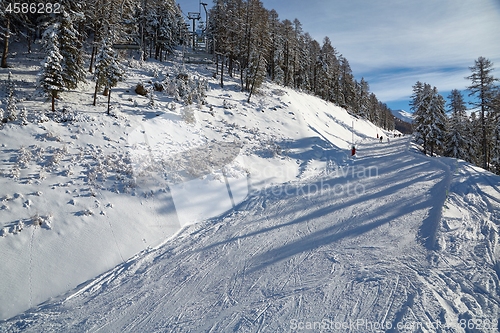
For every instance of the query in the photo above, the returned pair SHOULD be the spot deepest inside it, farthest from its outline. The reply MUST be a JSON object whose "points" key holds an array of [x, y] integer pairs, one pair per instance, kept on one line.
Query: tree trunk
{"points": [[241, 77], [95, 94], [92, 57], [216, 64], [29, 35], [157, 51], [109, 98], [81, 32], [252, 87], [222, 72], [484, 140], [6, 43]]}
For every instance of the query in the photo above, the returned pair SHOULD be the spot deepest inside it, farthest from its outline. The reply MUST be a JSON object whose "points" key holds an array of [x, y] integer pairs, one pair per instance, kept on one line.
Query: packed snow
{"points": [[229, 216]]}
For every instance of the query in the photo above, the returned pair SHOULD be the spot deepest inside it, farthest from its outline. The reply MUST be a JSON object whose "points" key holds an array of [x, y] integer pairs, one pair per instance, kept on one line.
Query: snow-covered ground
{"points": [[234, 216]]}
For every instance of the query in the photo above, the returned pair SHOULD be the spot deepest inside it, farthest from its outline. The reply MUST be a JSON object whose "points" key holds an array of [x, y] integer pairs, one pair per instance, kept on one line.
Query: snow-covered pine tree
{"points": [[70, 48], [275, 72], [325, 63], [420, 100], [161, 26], [23, 116], [430, 118], [123, 16], [11, 110], [108, 70], [51, 75], [167, 28], [313, 49], [437, 122], [457, 144], [372, 108], [11, 114], [347, 85], [362, 98]]}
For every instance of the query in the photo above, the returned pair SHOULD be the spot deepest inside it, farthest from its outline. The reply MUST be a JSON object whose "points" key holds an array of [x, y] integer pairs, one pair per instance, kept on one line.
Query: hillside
{"points": [[403, 115], [83, 191], [291, 232]]}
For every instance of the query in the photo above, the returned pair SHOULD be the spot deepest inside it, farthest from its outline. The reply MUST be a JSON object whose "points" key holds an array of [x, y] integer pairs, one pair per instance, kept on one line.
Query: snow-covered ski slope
{"points": [[292, 256], [390, 240], [81, 191]]}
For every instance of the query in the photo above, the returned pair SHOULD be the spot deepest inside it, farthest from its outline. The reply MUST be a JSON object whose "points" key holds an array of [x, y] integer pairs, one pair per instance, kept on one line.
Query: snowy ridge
{"points": [[295, 234], [403, 115]]}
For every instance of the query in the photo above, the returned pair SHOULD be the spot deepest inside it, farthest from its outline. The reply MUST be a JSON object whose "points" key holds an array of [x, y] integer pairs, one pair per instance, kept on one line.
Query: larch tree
{"points": [[495, 160], [275, 40], [257, 47], [222, 12], [288, 51], [482, 86]]}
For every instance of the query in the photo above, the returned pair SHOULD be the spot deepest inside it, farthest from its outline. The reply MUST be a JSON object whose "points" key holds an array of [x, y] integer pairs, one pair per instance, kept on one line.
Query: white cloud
{"points": [[411, 33], [425, 38], [397, 86]]}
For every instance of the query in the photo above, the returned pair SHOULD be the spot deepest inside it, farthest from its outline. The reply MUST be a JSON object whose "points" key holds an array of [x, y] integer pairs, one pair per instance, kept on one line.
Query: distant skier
{"points": [[353, 151], [388, 141], [381, 138]]}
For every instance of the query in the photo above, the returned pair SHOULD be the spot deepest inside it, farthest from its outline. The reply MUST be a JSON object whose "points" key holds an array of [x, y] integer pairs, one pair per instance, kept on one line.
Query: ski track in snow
{"points": [[385, 255]]}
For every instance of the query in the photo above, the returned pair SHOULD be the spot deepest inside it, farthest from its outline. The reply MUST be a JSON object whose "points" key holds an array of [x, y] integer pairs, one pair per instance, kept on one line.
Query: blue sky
{"points": [[394, 43]]}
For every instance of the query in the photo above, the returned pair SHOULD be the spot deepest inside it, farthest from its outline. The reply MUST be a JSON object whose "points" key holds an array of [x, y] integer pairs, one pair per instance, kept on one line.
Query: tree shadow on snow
{"points": [[316, 201]]}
